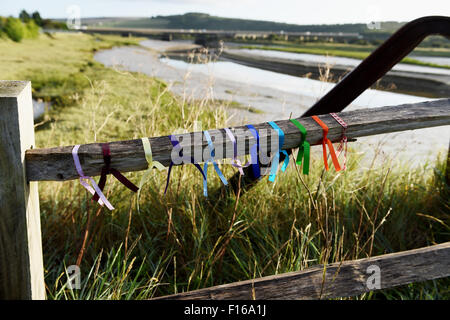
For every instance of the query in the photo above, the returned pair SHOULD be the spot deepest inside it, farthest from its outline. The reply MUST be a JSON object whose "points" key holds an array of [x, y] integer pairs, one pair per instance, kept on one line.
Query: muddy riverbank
{"points": [[425, 84]]}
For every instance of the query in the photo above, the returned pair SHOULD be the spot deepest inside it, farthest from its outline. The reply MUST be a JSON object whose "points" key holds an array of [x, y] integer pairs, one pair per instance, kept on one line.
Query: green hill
{"points": [[205, 21], [201, 21]]}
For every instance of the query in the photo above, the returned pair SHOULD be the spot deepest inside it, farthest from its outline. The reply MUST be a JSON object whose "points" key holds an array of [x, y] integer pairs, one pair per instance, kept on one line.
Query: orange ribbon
{"points": [[326, 141]]}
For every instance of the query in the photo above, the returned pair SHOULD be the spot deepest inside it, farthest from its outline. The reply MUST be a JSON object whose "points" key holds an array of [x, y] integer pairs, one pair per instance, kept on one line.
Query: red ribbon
{"points": [[106, 169], [326, 141]]}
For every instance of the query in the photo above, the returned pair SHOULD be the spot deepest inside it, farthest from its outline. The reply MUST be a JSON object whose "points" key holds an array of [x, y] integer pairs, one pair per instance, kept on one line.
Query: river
{"points": [[39, 108], [276, 96], [332, 60]]}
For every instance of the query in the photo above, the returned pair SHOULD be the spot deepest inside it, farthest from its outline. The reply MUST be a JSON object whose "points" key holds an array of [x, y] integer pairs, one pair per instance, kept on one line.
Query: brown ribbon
{"points": [[106, 169]]}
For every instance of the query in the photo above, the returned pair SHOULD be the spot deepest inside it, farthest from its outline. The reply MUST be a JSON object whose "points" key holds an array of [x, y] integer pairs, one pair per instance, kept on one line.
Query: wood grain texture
{"points": [[21, 265], [57, 163], [345, 279]]}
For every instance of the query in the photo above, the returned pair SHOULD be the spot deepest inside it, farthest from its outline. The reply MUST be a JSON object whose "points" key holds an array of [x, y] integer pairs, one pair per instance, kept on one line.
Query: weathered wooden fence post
{"points": [[21, 265]]}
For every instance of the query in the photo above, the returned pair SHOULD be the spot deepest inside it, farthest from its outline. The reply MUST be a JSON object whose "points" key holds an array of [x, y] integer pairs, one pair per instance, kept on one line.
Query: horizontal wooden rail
{"points": [[57, 163], [349, 278]]}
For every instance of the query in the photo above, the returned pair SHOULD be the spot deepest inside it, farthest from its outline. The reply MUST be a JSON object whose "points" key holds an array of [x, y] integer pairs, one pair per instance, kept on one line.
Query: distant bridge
{"points": [[211, 35]]}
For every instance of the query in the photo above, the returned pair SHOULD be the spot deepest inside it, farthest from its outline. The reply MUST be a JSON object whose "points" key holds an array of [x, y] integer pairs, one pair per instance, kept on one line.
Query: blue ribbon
{"points": [[276, 158], [216, 166], [176, 145], [254, 150]]}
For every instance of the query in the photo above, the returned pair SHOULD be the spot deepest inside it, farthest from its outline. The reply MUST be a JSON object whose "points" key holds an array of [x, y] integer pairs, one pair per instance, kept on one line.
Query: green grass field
{"points": [[182, 241]]}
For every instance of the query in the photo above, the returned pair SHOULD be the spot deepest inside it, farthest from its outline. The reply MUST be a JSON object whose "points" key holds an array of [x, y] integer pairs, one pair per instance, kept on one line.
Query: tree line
{"points": [[26, 26]]}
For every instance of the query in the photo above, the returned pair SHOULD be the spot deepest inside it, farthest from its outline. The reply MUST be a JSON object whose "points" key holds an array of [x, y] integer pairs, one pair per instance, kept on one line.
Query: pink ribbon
{"points": [[84, 180], [236, 162], [343, 144]]}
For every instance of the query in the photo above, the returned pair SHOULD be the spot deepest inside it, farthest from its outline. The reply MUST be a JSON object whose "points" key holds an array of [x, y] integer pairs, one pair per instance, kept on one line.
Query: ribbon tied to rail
{"points": [[343, 144], [325, 142], [276, 157], [84, 180], [179, 149], [304, 147], [151, 164], [106, 169], [235, 162], [211, 159], [254, 151]]}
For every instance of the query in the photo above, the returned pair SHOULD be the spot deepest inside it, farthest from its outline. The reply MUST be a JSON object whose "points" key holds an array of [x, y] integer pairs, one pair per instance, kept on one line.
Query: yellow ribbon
{"points": [[149, 157], [151, 164]]}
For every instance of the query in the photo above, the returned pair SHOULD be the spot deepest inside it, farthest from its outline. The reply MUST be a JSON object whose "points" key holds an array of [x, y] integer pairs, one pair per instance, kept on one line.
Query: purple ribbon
{"points": [[102, 199], [176, 146], [254, 150], [235, 162]]}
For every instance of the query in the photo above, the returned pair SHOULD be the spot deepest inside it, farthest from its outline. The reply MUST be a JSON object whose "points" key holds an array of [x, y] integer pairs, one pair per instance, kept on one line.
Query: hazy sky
{"points": [[290, 11]]}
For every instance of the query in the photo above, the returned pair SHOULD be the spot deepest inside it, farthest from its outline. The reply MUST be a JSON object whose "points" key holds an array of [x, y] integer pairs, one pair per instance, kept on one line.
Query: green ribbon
{"points": [[304, 147]]}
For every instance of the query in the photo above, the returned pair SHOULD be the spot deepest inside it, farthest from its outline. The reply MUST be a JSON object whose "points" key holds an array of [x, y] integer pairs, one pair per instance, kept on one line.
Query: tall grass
{"points": [[183, 241]]}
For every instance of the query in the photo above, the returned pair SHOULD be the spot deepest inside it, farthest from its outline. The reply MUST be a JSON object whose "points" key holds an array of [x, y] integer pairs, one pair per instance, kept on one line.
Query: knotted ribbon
{"points": [[95, 188], [325, 142], [276, 157], [149, 155], [254, 151], [304, 147], [176, 146], [343, 144], [151, 164], [211, 159], [106, 169], [235, 162]]}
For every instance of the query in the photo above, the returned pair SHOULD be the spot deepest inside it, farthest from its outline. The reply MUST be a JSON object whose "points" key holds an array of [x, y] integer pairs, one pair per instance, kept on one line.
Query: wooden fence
{"points": [[21, 166], [344, 279]]}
